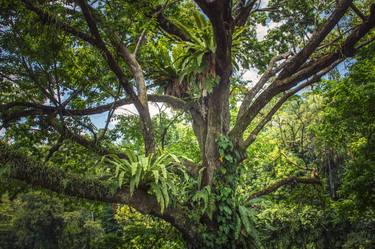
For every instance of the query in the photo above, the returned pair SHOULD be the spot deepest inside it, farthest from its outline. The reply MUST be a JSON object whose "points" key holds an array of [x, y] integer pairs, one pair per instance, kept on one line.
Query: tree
{"points": [[64, 61], [335, 121], [35, 220]]}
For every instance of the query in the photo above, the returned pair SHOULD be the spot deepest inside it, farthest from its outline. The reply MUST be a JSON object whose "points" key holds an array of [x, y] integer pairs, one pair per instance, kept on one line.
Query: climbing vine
{"points": [[234, 221]]}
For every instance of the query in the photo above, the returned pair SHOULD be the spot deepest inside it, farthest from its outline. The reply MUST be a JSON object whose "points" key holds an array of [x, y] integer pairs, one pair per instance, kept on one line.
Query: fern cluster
{"points": [[156, 172]]}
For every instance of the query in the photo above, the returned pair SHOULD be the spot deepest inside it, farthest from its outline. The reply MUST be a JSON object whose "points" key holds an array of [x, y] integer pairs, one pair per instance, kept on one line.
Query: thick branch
{"points": [[141, 103], [270, 71], [218, 116], [317, 37], [251, 138], [309, 69], [287, 181], [25, 169], [100, 44], [220, 15], [33, 109], [243, 12]]}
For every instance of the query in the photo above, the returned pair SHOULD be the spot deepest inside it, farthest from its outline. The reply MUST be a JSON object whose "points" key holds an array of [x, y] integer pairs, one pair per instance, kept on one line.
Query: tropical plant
{"points": [[157, 173]]}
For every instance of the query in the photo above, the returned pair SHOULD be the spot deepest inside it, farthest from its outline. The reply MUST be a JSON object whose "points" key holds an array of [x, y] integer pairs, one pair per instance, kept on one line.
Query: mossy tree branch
{"points": [[21, 167]]}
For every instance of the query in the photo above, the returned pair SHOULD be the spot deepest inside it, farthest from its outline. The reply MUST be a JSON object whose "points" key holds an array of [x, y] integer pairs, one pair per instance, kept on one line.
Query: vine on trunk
{"points": [[234, 226]]}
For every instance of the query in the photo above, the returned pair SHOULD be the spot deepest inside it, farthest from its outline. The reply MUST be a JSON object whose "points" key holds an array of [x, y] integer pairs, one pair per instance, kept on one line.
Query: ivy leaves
{"points": [[207, 198]]}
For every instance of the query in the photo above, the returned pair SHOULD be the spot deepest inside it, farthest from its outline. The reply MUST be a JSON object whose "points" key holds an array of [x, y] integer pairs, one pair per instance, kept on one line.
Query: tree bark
{"points": [[28, 170]]}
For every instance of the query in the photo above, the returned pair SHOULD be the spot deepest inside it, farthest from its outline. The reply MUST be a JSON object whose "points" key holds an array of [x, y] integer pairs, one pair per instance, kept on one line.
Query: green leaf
{"points": [[132, 186], [199, 20], [164, 189], [134, 167], [175, 158], [137, 177], [156, 176], [163, 171], [121, 178], [237, 229]]}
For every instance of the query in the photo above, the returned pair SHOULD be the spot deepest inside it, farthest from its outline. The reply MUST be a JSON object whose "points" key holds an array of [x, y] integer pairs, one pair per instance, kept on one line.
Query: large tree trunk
{"points": [[217, 124]]}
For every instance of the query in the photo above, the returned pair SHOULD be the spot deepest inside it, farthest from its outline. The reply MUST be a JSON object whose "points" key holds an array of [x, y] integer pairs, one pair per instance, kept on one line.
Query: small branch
{"points": [[71, 97], [271, 71], [165, 130], [46, 17], [357, 12], [287, 181], [269, 9], [89, 144], [110, 114], [54, 148], [139, 42], [109, 117], [364, 44]]}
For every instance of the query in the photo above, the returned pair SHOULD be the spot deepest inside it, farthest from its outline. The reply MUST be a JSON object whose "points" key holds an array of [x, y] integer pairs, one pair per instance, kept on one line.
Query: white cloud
{"points": [[262, 31], [264, 3], [2, 132], [252, 75], [154, 107]]}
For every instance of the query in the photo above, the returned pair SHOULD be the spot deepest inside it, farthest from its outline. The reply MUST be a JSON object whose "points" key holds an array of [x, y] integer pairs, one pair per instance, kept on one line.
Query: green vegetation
{"points": [[132, 124]]}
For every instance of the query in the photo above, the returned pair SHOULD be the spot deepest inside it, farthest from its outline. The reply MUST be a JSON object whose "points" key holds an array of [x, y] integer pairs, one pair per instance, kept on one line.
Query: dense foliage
{"points": [[131, 124]]}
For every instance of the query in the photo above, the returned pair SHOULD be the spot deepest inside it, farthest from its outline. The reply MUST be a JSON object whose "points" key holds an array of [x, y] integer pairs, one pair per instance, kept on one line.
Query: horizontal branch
{"points": [[37, 174], [32, 109], [287, 181], [26, 169]]}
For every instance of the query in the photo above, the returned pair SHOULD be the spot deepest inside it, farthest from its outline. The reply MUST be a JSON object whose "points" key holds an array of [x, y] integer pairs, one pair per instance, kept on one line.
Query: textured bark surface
{"points": [[25, 169]]}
